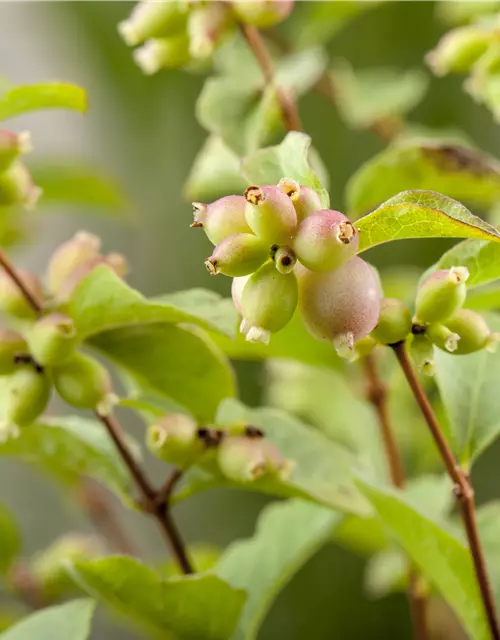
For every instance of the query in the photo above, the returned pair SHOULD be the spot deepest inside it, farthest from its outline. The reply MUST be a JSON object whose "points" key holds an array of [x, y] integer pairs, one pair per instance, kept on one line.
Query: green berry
{"points": [[305, 200], [325, 240], [394, 322], [28, 395], [459, 49], [12, 300], [12, 145], [16, 187], [244, 459], [11, 344], [442, 337], [84, 383], [153, 19], [473, 331], [237, 255], [422, 352], [174, 438], [221, 218], [268, 302], [52, 340], [441, 295], [163, 53], [262, 13], [270, 214], [285, 260]]}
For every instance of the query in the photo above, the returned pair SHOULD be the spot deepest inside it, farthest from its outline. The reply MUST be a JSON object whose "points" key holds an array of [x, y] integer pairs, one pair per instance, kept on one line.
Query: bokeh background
{"points": [[142, 130]]}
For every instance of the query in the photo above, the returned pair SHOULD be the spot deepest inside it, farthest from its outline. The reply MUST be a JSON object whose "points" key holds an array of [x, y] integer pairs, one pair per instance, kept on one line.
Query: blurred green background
{"points": [[143, 131]]}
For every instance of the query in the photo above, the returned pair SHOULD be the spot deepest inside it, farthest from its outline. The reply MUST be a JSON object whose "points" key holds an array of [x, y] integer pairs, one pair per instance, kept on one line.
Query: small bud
{"points": [[244, 459], [285, 260], [441, 295], [208, 23], [458, 50], [84, 383], [153, 19], [11, 344], [422, 353], [364, 347], [237, 255], [13, 145], [16, 187], [12, 300], [28, 395], [305, 200], [162, 53], [473, 331], [262, 13], [174, 438], [52, 339], [325, 240], [394, 322], [222, 218], [442, 337], [68, 256], [268, 302], [270, 214]]}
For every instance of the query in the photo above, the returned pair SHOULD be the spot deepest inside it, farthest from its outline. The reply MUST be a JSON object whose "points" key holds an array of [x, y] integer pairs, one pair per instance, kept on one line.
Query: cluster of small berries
{"points": [[38, 353], [16, 184], [240, 453], [283, 249], [176, 33]]}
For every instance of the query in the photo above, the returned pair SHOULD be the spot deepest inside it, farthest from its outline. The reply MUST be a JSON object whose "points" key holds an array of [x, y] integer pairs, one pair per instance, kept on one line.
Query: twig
{"points": [[463, 488], [157, 508], [377, 395]]}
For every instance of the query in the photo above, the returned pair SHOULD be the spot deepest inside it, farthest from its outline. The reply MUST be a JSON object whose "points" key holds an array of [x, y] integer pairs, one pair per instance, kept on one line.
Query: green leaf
{"points": [[287, 535], [179, 363], [484, 298], [10, 539], [469, 390], [488, 522], [386, 573], [481, 257], [70, 621], [421, 214], [215, 172], [367, 96], [67, 182], [103, 301], [71, 447], [322, 471], [443, 558], [289, 159], [187, 607], [49, 95], [456, 170]]}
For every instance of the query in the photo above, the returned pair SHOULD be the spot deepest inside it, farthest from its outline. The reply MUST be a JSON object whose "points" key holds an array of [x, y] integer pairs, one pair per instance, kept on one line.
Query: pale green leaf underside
{"points": [[50, 95], [70, 621], [482, 259], [421, 214], [187, 607], [442, 558], [287, 535]]}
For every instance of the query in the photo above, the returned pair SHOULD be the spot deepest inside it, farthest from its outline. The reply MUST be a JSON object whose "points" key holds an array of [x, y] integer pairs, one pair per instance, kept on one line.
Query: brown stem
{"points": [[258, 47], [377, 395], [10, 270], [463, 488]]}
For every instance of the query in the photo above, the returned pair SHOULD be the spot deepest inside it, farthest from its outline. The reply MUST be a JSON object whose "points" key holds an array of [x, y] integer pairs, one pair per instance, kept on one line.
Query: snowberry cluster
{"points": [[39, 352], [283, 249], [177, 33], [16, 184]]}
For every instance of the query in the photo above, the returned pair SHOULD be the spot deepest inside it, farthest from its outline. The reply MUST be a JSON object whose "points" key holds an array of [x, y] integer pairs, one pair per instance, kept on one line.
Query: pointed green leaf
{"points": [[481, 257], [287, 535], [70, 621], [10, 539], [187, 607], [50, 95], [421, 214], [180, 363], [484, 298], [443, 558]]}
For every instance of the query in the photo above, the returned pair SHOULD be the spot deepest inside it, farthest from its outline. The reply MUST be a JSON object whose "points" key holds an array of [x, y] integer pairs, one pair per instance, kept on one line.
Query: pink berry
{"points": [[305, 199], [222, 218]]}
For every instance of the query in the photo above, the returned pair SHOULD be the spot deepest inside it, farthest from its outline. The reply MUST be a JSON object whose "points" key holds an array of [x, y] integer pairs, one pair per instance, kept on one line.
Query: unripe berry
{"points": [[222, 218], [364, 347], [442, 337], [16, 187], [68, 256], [84, 383], [244, 459], [13, 145], [394, 322], [174, 438], [473, 331], [268, 302], [285, 260], [340, 306], [11, 345], [207, 24], [28, 395], [422, 352], [305, 200], [52, 340], [262, 13], [162, 53], [441, 294], [153, 19], [458, 50], [12, 300], [237, 255], [270, 214], [325, 240]]}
